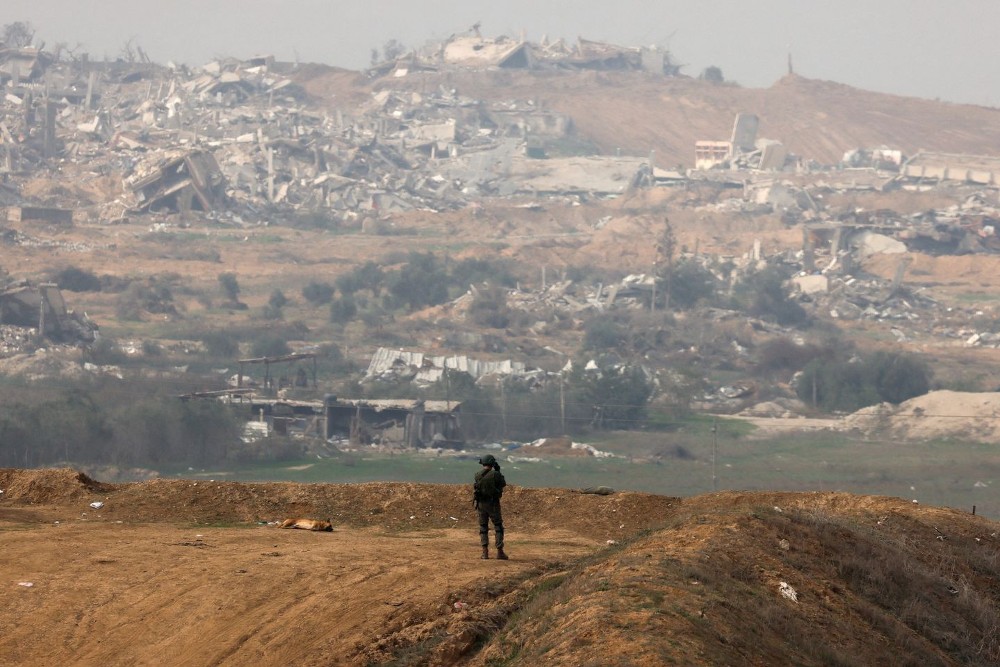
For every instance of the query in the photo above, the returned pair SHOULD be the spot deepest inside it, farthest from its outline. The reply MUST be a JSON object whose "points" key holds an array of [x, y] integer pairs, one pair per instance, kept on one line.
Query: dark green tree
{"points": [[317, 293], [421, 282], [489, 307], [839, 384], [269, 345], [603, 332], [230, 286], [762, 294], [618, 396], [343, 309], [690, 283]]}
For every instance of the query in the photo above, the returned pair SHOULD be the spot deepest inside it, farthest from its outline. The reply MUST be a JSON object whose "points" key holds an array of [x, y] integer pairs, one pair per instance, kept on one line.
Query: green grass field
{"points": [[948, 474]]}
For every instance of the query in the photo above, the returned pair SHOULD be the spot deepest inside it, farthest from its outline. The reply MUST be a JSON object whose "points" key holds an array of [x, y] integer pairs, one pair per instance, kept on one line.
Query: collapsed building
{"points": [[190, 181], [343, 422], [41, 307], [394, 365], [473, 51], [239, 140], [743, 150]]}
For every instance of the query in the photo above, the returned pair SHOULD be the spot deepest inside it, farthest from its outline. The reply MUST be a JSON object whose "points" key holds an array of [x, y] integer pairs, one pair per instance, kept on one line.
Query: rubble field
{"points": [[166, 176]]}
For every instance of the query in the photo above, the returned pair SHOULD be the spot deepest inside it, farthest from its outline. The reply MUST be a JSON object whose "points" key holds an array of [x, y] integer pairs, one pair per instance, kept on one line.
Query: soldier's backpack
{"points": [[489, 487]]}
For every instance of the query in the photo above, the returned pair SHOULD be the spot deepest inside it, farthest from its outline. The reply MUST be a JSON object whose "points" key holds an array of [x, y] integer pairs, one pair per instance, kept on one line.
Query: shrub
{"points": [[151, 296], [230, 285], [367, 276], [489, 307], [603, 333], [783, 355], [834, 384], [317, 293], [899, 377], [762, 294], [421, 282], [343, 309], [269, 312], [689, 283], [269, 345], [221, 345], [618, 396], [151, 348], [76, 279], [277, 299]]}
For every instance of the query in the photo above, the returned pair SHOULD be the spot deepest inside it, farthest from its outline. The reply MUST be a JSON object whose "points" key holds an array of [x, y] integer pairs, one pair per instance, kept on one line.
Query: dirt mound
{"points": [[726, 578], [47, 485], [816, 119], [774, 579], [959, 415], [387, 506]]}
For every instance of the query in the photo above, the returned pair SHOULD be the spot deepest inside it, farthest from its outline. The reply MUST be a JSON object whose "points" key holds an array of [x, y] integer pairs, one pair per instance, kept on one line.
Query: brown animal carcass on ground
{"points": [[307, 524]]}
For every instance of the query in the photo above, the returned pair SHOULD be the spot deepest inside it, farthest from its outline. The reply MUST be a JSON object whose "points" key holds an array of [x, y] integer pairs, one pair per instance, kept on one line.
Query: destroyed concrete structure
{"points": [[26, 64], [389, 423], [743, 150], [931, 167], [422, 369], [409, 423], [190, 181], [57, 216], [473, 51], [41, 306], [240, 139]]}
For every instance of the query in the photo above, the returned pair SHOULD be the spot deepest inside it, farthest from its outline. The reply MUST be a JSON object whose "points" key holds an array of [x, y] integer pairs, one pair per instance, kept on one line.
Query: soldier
{"points": [[487, 490]]}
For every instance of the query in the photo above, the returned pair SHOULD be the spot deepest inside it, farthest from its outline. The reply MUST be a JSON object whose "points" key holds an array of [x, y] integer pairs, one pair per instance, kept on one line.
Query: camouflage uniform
{"points": [[488, 489]]}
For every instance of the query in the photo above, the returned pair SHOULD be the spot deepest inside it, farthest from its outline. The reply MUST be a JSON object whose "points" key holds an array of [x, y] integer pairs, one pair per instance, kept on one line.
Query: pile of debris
{"points": [[470, 50], [743, 151], [242, 138], [423, 370], [29, 309]]}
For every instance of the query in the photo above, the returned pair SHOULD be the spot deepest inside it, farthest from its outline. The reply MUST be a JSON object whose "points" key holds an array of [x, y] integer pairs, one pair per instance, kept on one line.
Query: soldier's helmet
{"points": [[487, 460]]}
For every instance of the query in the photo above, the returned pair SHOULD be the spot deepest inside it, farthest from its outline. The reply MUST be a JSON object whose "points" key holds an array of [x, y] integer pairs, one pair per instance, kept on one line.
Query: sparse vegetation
{"points": [[489, 307], [269, 345], [109, 422], [75, 279], [848, 384], [230, 286], [763, 294], [318, 293]]}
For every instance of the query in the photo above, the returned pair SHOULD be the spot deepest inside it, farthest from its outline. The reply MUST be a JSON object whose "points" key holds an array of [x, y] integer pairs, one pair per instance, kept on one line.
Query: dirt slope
{"points": [[177, 572], [815, 119]]}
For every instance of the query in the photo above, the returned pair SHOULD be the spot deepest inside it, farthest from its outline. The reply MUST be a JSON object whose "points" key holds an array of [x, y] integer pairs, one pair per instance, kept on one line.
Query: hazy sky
{"points": [[924, 48]]}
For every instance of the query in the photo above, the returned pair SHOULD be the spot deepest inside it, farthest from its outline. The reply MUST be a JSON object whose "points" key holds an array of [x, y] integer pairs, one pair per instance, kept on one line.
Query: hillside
{"points": [[637, 113], [196, 573]]}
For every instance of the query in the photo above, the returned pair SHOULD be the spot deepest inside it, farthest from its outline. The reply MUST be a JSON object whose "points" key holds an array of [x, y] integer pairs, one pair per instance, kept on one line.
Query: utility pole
{"points": [[562, 402], [503, 409], [715, 452], [652, 303], [41, 312], [667, 247]]}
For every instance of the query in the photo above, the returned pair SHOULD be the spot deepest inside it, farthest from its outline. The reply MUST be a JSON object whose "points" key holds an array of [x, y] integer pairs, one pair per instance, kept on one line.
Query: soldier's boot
{"points": [[501, 555], [486, 553]]}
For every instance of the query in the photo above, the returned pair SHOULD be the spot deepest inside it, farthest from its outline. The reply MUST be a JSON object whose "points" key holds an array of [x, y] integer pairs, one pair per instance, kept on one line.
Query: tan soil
{"points": [[961, 415], [182, 572], [177, 572], [817, 120]]}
